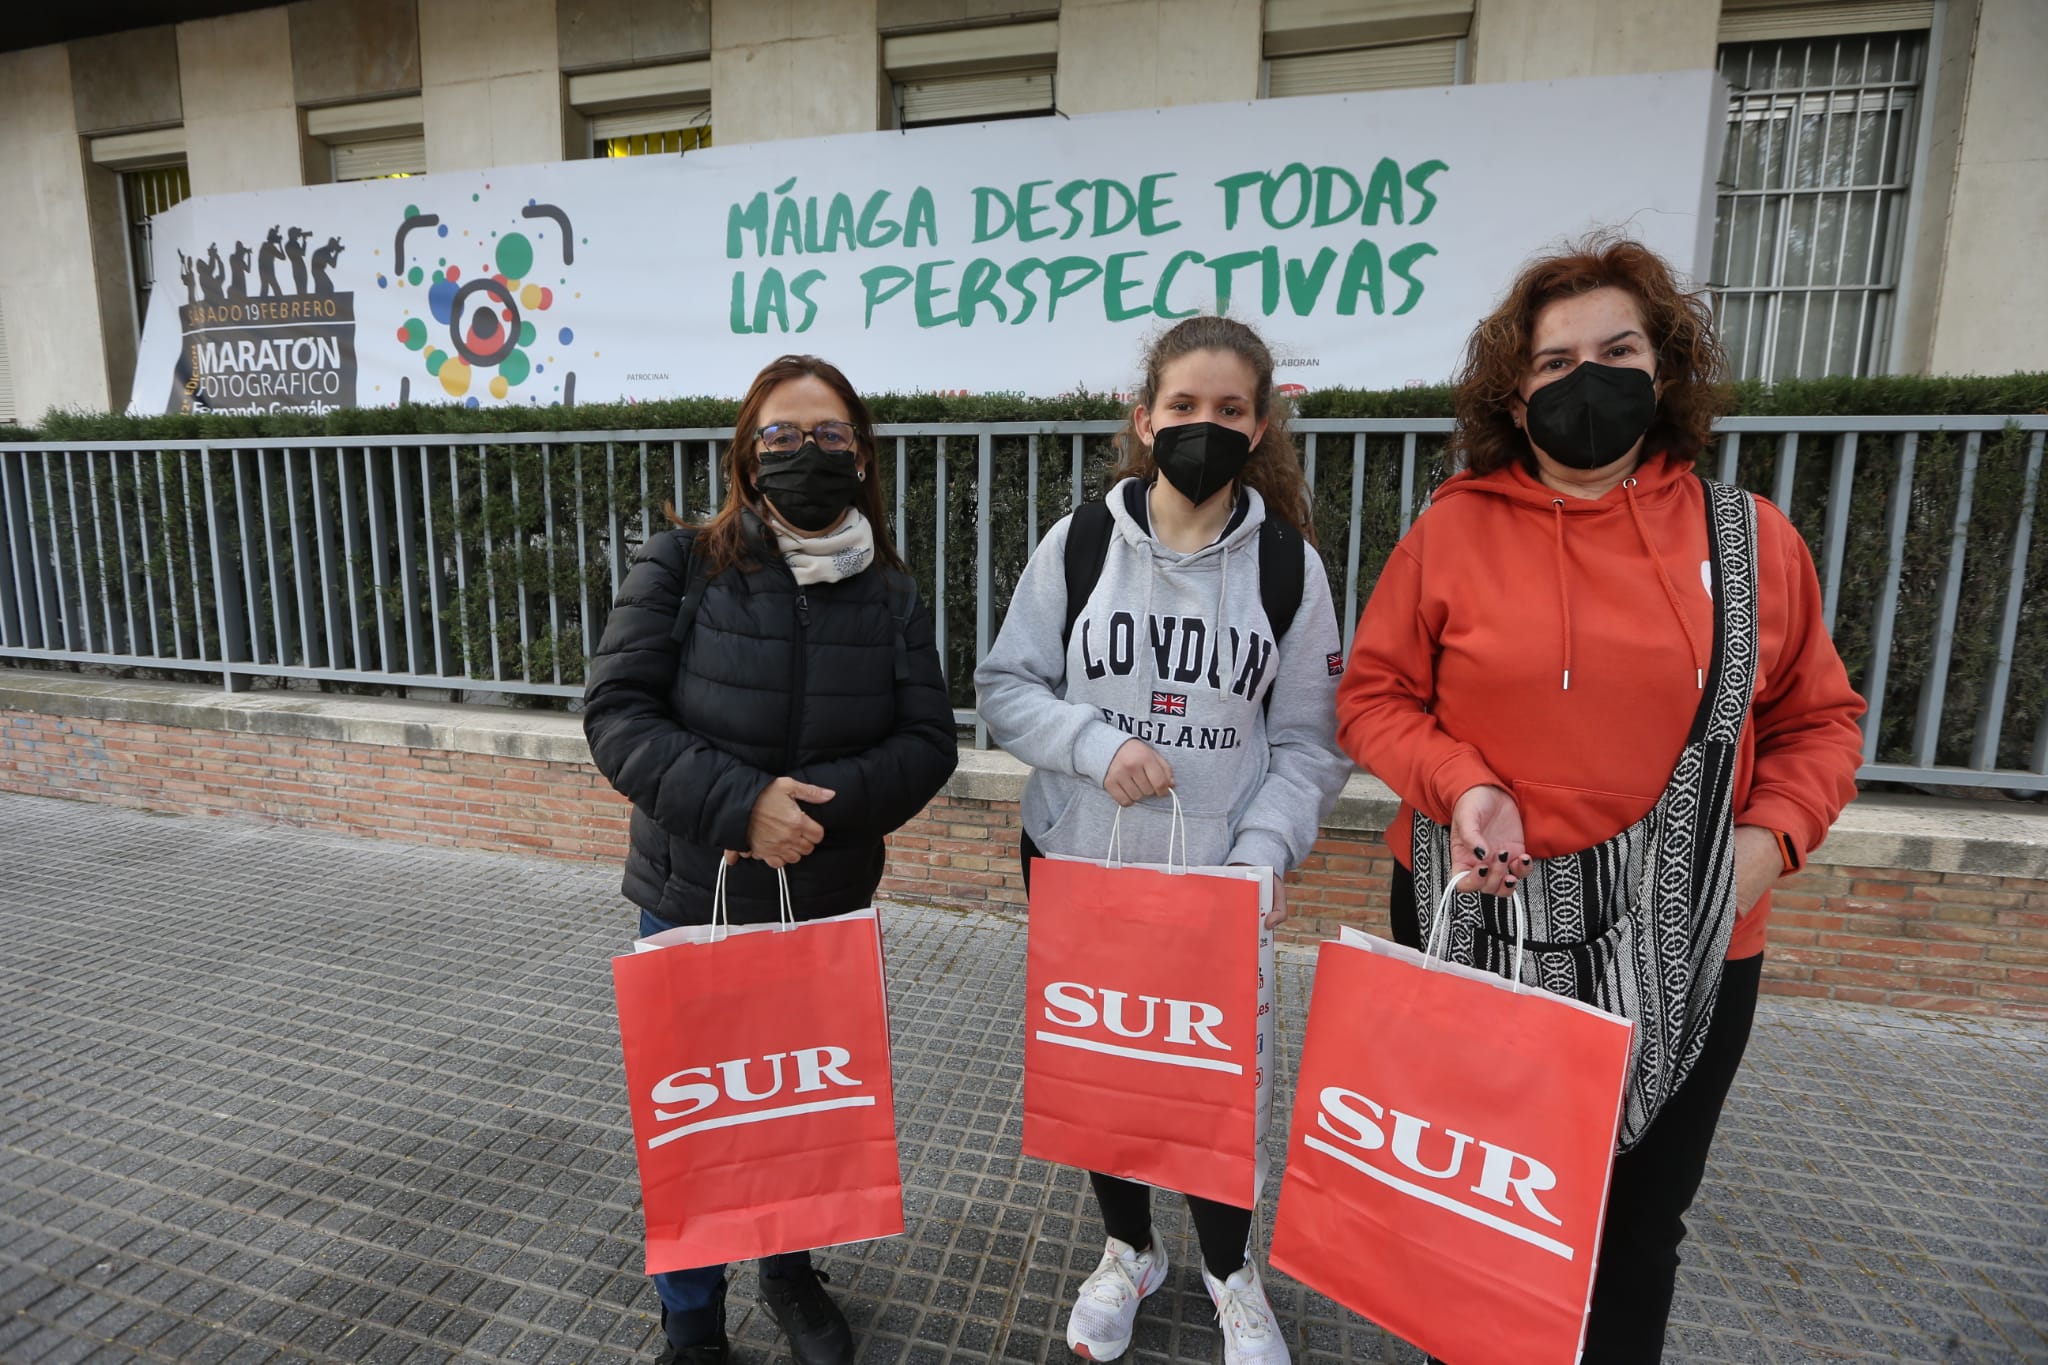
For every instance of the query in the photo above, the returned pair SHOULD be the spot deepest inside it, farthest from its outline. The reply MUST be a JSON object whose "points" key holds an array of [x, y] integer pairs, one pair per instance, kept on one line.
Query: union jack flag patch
{"points": [[1169, 703], [1336, 663]]}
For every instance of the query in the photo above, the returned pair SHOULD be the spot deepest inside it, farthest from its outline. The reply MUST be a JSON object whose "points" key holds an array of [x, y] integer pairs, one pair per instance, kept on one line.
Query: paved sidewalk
{"points": [[267, 1094]]}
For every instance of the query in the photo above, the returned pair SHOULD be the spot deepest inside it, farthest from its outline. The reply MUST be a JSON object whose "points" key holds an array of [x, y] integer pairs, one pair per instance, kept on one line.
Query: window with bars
{"points": [[1811, 213], [145, 194]]}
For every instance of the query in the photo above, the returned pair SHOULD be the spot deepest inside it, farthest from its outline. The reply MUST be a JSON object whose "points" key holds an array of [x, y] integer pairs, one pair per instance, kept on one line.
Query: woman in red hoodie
{"points": [[1600, 680]]}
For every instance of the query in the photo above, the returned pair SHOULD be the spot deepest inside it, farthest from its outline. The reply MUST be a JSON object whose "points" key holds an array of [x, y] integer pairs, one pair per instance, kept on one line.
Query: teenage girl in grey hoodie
{"points": [[1164, 686]]}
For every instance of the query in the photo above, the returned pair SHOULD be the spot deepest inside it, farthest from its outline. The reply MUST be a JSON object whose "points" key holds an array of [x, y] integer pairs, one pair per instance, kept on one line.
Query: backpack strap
{"points": [[1087, 546], [696, 576], [1280, 574]]}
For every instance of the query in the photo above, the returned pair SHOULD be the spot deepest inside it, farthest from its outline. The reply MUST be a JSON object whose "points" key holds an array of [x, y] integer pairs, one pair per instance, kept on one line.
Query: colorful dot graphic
{"points": [[476, 332]]}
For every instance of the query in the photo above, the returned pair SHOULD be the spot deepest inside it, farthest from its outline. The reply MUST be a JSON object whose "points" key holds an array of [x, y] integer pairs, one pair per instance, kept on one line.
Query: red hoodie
{"points": [[1503, 590]]}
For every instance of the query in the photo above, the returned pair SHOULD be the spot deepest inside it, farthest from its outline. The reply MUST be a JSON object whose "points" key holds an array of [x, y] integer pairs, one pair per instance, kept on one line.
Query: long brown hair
{"points": [[1275, 468], [1690, 363], [723, 537]]}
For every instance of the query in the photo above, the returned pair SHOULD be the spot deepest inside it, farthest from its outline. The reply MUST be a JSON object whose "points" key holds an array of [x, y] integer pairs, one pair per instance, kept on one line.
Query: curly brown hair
{"points": [[1680, 325], [722, 538], [1275, 467]]}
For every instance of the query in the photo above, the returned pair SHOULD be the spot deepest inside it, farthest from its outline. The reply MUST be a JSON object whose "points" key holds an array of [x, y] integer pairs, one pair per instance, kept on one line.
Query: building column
{"points": [[1547, 40], [1155, 54], [49, 300], [491, 78], [1991, 312], [241, 114], [794, 68]]}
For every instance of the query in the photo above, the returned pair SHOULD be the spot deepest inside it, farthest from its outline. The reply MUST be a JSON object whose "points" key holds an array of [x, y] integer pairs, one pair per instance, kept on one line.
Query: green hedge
{"points": [[2015, 393]]}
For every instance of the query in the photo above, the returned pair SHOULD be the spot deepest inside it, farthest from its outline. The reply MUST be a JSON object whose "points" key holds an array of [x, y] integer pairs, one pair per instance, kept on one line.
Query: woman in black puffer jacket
{"points": [[790, 718]]}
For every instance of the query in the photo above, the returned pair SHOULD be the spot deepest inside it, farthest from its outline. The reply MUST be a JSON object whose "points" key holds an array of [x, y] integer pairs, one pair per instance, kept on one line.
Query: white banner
{"points": [[1361, 234]]}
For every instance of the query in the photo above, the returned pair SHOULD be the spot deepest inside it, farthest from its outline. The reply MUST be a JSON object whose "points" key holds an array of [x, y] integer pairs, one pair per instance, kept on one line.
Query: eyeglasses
{"points": [[786, 438]]}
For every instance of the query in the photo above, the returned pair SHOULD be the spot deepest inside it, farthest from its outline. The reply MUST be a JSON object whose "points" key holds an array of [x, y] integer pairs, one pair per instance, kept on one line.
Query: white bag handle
{"points": [[721, 914], [1440, 927], [1115, 856]]}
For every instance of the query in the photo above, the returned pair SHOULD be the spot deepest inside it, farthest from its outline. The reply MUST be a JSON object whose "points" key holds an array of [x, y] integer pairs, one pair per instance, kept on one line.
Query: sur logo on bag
{"points": [[814, 1069], [1088, 1012], [1387, 1144]]}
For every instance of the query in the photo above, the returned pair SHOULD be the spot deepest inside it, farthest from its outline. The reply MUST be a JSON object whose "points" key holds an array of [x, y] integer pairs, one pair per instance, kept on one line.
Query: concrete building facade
{"points": [[1881, 204]]}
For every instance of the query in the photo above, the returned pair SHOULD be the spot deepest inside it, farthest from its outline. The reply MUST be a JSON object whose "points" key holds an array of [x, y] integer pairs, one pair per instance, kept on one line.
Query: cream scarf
{"points": [[837, 554]]}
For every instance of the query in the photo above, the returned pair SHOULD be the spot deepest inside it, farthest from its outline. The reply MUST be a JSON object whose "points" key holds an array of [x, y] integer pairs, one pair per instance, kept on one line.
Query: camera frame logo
{"points": [[483, 329]]}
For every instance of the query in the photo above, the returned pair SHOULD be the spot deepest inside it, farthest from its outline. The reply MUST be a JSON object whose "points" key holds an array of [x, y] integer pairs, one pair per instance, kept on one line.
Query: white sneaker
{"points": [[1099, 1328], [1251, 1335]]}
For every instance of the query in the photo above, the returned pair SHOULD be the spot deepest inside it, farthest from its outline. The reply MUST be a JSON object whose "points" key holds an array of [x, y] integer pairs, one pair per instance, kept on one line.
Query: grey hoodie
{"points": [[1175, 650]]}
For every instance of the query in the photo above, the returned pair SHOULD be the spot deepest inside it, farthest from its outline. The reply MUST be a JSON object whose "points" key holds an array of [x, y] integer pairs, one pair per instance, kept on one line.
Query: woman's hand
{"points": [[1137, 772], [778, 832], [1277, 916], [1486, 839], [1758, 865]]}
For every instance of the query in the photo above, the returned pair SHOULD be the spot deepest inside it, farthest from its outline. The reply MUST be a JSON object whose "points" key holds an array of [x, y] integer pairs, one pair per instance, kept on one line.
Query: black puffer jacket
{"points": [[776, 682]]}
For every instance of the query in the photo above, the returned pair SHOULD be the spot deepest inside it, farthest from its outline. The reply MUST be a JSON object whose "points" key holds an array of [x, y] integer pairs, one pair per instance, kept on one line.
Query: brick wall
{"points": [[1926, 940]]}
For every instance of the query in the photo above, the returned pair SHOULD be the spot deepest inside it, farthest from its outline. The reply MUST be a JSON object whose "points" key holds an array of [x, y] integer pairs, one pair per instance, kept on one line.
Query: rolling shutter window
{"points": [[383, 159], [6, 376], [641, 123], [1395, 67], [669, 131], [1754, 23], [959, 99]]}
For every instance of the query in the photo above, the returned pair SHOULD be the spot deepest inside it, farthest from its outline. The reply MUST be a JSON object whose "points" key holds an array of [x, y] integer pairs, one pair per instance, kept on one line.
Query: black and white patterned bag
{"points": [[1638, 925]]}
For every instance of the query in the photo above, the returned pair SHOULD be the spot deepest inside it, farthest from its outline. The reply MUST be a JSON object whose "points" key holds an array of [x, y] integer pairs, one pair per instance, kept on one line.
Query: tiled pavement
{"points": [[267, 1094]]}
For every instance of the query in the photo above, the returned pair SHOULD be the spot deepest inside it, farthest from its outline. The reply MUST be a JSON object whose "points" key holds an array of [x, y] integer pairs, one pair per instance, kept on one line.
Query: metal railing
{"points": [[487, 563]]}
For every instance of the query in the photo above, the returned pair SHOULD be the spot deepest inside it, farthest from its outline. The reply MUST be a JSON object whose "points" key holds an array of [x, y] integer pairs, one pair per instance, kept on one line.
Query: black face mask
{"points": [[1200, 458], [1592, 416], [809, 488]]}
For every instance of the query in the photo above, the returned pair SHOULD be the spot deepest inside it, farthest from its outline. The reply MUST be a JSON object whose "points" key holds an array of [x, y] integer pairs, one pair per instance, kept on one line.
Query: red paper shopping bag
{"points": [[1143, 1046], [1448, 1163], [757, 1059]]}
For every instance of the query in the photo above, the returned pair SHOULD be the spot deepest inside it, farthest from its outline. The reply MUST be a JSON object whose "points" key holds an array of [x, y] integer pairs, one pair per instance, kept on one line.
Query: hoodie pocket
{"points": [[1557, 819], [1070, 802]]}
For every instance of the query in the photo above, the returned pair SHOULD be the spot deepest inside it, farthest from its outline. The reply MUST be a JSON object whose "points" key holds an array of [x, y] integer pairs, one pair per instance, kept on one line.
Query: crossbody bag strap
{"points": [[1731, 555]]}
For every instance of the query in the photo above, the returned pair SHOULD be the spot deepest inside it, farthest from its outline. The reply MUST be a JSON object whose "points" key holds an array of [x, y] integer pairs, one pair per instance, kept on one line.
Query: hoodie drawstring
{"points": [[1564, 596], [1222, 585], [1564, 600], [1699, 658]]}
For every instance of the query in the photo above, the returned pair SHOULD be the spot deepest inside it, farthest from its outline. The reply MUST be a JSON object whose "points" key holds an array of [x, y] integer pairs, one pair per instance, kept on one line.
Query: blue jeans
{"points": [[693, 1300]]}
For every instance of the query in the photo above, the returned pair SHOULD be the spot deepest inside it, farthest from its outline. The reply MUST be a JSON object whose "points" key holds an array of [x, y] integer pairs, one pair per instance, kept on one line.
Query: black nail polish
{"points": [[1480, 852], [1503, 856]]}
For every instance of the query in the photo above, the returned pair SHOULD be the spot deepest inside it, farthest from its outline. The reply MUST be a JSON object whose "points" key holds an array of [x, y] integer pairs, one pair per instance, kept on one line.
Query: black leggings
{"points": [[1654, 1182], [1224, 1230]]}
